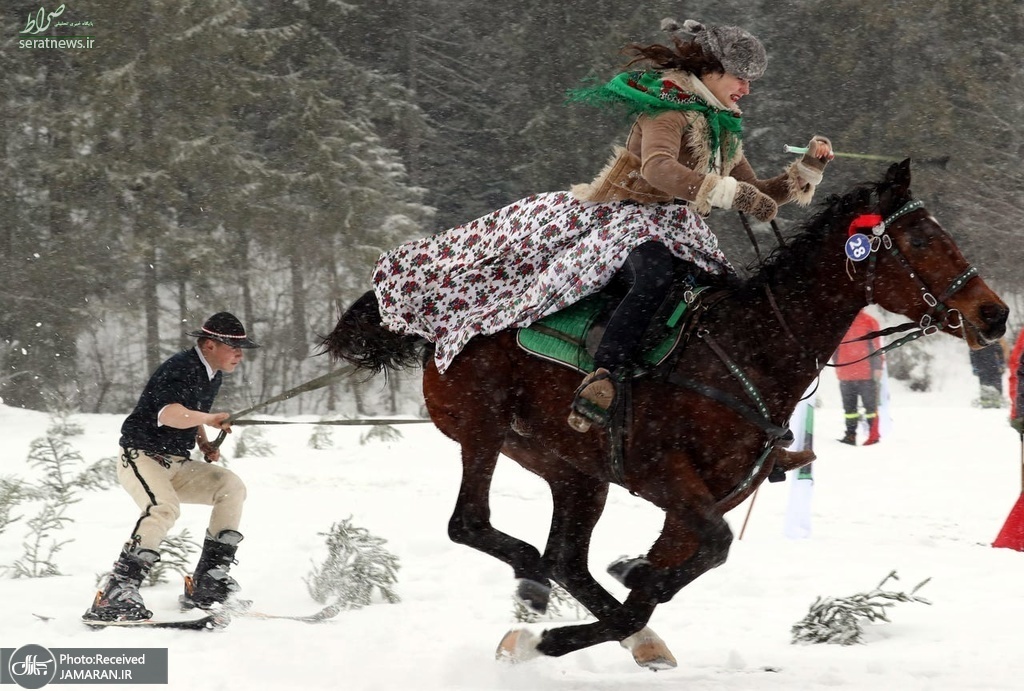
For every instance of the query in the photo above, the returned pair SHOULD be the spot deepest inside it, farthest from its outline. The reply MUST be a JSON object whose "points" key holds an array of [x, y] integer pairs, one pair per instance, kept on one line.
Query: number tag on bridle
{"points": [[858, 247]]}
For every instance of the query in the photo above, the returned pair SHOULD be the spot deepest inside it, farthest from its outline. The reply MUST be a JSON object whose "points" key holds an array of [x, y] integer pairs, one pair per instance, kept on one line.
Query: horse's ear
{"points": [[897, 179]]}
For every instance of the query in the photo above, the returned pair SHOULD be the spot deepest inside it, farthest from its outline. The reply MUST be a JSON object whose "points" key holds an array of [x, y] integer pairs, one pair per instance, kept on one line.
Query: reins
{"points": [[753, 239], [767, 288], [353, 423], [928, 324], [311, 385]]}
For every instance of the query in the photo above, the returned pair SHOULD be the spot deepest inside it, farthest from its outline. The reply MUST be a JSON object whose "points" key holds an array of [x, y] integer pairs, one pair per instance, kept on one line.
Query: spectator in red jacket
{"points": [[859, 374], [1016, 390]]}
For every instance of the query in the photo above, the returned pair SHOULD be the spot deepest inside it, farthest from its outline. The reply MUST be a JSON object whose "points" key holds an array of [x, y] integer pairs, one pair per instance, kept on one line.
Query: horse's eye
{"points": [[918, 240]]}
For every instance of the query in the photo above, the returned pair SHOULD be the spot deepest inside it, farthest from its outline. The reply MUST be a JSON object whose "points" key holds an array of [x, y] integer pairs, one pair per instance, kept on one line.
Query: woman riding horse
{"points": [[750, 358], [683, 156]]}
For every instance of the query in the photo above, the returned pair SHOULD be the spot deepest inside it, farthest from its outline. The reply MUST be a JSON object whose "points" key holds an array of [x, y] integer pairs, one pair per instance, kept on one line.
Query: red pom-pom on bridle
{"points": [[873, 221]]}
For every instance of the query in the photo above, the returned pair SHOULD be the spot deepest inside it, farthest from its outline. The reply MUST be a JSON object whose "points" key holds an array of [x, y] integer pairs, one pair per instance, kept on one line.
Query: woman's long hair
{"points": [[685, 55]]}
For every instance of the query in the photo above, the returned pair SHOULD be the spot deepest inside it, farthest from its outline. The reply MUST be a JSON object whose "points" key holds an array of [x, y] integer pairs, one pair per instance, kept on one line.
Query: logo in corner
{"points": [[32, 666]]}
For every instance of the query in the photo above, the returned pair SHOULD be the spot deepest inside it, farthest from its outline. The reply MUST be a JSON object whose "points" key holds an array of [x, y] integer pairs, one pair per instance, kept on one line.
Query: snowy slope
{"points": [[926, 502]]}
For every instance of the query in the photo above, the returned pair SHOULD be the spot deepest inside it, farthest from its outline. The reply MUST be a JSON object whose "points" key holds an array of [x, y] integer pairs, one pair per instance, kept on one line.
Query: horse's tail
{"points": [[361, 340]]}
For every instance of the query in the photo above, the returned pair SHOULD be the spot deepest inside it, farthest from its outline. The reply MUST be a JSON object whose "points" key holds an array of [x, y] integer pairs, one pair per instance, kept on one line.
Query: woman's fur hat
{"points": [[740, 53]]}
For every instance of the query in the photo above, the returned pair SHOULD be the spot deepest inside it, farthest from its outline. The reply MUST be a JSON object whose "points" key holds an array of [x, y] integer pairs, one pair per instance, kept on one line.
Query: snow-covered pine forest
{"points": [[257, 156]]}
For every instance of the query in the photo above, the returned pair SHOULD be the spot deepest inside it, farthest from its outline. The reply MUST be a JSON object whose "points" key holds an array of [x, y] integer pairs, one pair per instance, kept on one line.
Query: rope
{"points": [[382, 421], [311, 385]]}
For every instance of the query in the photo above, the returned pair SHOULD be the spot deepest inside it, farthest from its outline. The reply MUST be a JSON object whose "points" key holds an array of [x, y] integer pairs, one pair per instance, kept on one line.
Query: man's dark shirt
{"points": [[181, 379]]}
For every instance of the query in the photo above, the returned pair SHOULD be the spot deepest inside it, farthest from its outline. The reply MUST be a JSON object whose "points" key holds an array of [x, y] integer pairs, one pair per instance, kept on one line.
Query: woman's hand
{"points": [[811, 167], [820, 148]]}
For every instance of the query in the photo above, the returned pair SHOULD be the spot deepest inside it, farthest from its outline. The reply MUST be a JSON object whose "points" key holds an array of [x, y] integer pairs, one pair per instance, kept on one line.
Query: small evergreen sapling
{"points": [[175, 556], [101, 475], [11, 494], [379, 433], [357, 565], [561, 607], [55, 457], [835, 620], [62, 424], [252, 443], [321, 438]]}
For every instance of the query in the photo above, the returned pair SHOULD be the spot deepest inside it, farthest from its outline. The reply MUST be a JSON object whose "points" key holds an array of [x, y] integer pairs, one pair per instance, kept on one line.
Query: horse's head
{"points": [[916, 269]]}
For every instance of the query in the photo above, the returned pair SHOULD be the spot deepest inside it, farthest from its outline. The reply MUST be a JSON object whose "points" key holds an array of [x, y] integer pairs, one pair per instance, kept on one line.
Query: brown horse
{"points": [[703, 428]]}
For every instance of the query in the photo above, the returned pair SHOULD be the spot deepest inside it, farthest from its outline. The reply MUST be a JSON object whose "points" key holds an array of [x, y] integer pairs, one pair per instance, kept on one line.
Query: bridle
{"points": [[859, 247], [862, 247]]}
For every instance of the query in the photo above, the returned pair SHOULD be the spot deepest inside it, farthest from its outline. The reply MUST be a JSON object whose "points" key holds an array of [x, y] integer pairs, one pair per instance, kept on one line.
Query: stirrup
{"points": [[586, 412]]}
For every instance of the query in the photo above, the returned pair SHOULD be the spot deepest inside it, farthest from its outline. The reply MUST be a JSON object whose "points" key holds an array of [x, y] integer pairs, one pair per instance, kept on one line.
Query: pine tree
{"points": [[357, 566]]}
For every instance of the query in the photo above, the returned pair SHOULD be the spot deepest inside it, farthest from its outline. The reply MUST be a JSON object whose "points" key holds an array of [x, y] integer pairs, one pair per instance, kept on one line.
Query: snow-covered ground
{"points": [[926, 502]]}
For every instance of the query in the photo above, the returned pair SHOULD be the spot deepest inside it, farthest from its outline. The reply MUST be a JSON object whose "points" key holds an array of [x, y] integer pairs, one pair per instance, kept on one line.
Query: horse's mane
{"points": [[800, 250]]}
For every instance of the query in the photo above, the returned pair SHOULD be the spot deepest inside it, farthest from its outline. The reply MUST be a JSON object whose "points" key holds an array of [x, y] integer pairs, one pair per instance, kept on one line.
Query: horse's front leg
{"points": [[577, 504], [691, 544], [787, 460], [628, 625]]}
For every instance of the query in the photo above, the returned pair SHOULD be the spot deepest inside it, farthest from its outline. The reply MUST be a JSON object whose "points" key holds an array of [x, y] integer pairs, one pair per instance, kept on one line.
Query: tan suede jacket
{"points": [[667, 157]]}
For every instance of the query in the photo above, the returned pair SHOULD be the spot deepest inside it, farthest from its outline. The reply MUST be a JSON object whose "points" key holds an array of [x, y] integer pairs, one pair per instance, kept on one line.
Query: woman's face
{"points": [[727, 88]]}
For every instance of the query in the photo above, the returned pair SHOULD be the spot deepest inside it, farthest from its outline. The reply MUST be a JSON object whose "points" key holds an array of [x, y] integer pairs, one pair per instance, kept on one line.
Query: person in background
{"points": [[1016, 390], [157, 470], [988, 365], [859, 373]]}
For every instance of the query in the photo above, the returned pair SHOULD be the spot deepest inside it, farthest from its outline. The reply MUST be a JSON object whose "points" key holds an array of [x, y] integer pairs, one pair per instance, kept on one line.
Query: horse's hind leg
{"points": [[472, 404], [470, 523], [577, 503]]}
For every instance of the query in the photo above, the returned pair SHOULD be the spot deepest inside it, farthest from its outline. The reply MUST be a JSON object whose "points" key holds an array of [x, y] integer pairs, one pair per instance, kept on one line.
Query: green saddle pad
{"points": [[561, 337]]}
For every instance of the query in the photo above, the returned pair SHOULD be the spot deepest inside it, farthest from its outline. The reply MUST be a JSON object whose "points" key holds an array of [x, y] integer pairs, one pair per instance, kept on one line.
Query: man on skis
{"points": [[155, 467]]}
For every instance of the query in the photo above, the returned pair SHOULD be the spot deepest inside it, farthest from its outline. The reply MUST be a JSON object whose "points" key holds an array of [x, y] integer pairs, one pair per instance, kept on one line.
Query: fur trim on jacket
{"points": [[668, 157]]}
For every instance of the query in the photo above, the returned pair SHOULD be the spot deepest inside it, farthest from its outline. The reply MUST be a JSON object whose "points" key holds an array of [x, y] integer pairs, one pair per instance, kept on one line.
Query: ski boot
{"points": [[211, 584], [120, 600]]}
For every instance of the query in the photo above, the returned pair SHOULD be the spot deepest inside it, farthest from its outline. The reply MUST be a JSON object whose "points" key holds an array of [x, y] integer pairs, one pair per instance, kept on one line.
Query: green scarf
{"points": [[648, 93]]}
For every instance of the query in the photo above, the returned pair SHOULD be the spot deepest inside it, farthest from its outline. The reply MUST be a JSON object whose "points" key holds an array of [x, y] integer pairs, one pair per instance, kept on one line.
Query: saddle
{"points": [[570, 337]]}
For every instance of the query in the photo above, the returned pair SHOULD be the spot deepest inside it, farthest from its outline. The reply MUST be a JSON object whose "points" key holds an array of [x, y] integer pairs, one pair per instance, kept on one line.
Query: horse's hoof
{"points": [[533, 595], [649, 651], [518, 645], [621, 568]]}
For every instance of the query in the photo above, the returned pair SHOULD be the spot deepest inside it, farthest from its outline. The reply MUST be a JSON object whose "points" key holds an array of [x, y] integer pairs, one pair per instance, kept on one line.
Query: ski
{"points": [[243, 608], [210, 622], [324, 614]]}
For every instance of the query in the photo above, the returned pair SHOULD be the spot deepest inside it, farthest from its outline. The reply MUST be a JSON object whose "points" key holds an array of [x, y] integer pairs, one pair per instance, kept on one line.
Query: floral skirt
{"points": [[524, 262]]}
